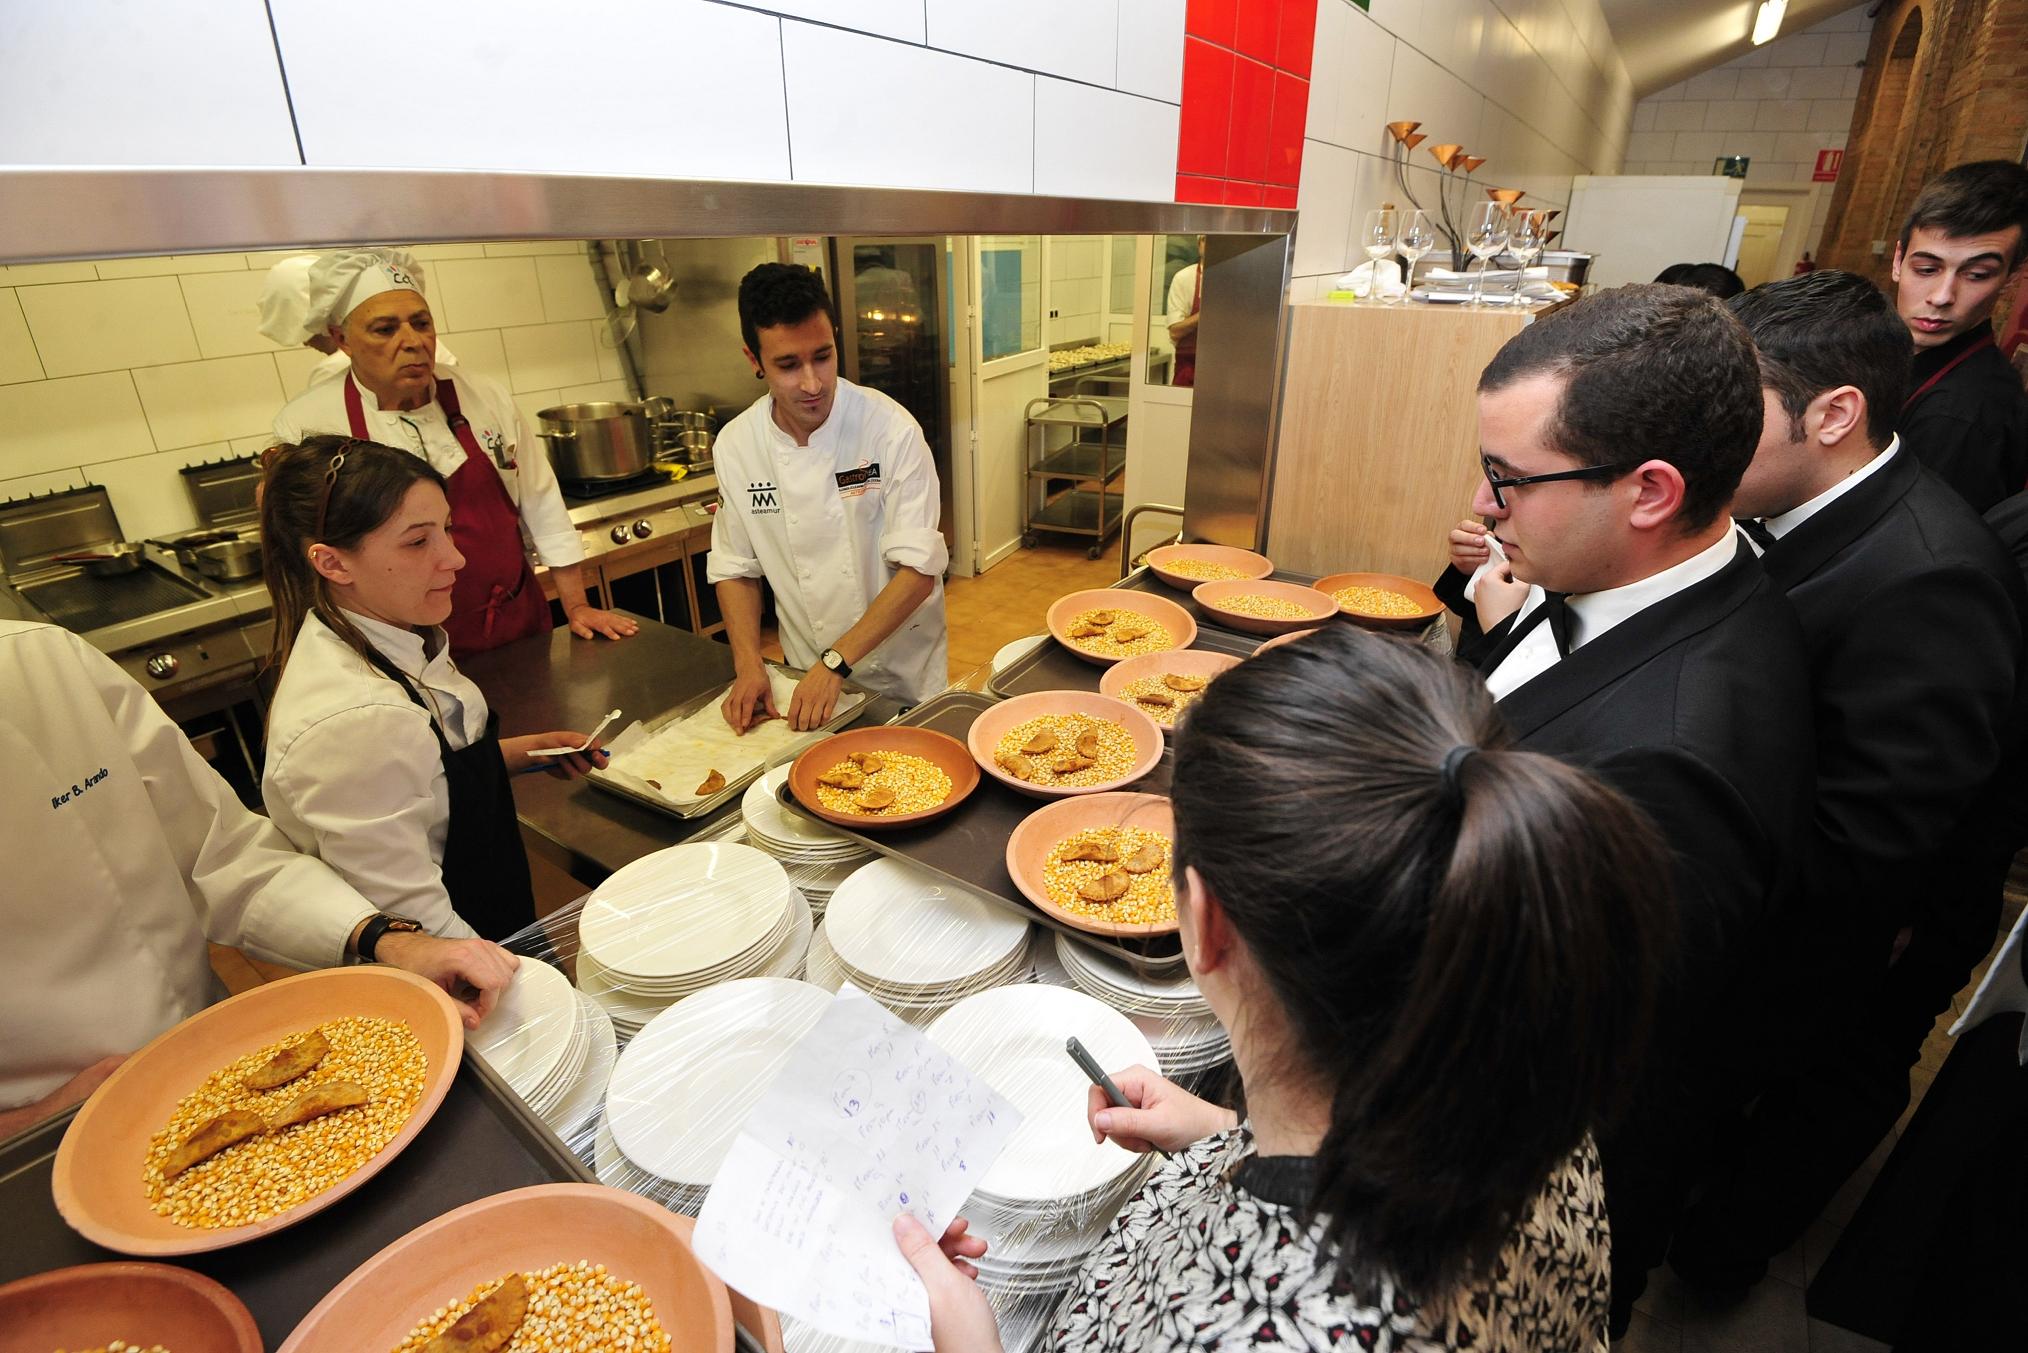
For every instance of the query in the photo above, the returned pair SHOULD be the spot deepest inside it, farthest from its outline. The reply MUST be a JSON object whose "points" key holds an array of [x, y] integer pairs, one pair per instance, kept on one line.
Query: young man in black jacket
{"points": [[1651, 649], [1965, 415], [1913, 614]]}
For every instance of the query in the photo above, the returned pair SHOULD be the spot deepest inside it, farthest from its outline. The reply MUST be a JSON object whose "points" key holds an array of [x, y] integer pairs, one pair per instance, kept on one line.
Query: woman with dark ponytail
{"points": [[383, 759], [1437, 958]]}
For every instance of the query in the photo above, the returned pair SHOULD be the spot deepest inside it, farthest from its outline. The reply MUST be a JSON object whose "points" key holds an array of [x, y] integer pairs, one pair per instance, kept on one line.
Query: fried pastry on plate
{"points": [[1101, 852], [1043, 741], [1177, 682], [319, 1100], [712, 784], [1016, 765], [1160, 699], [1146, 860], [488, 1326], [289, 1063], [867, 761], [1109, 887], [874, 799], [228, 1129], [842, 777]]}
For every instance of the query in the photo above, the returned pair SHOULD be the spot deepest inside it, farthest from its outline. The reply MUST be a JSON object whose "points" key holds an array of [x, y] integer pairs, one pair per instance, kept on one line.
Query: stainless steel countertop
{"points": [[223, 603], [557, 682], [585, 511]]}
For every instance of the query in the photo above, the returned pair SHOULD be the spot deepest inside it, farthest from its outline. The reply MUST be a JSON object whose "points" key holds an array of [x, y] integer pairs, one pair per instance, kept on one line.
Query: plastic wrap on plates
{"points": [[674, 762], [696, 968]]}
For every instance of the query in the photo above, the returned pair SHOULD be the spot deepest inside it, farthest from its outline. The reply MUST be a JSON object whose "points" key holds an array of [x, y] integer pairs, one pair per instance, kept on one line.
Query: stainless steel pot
{"points": [[185, 546], [592, 442], [105, 560], [682, 436], [229, 560]]}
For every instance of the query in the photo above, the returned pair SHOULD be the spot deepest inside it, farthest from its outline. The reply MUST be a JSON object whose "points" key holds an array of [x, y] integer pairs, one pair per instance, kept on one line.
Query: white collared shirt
{"points": [[1594, 613], [1785, 522], [354, 775], [496, 422], [124, 852], [829, 523]]}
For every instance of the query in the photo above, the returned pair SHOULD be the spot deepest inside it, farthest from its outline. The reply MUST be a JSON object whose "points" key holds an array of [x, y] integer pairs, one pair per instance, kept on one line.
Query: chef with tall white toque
{"points": [[503, 494], [286, 319]]}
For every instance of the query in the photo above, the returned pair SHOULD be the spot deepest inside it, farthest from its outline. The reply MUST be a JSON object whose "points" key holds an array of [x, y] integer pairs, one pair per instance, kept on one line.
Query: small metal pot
{"points": [[106, 560], [229, 560], [682, 436], [185, 546], [592, 442]]}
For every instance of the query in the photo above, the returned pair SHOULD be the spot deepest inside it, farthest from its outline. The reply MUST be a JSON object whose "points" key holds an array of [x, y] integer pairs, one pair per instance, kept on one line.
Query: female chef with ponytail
{"points": [[383, 759], [1436, 957]]}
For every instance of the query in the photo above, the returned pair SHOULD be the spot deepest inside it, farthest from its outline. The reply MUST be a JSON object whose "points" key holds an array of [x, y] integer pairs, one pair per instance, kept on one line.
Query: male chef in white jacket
{"points": [[828, 491], [289, 316], [124, 852]]}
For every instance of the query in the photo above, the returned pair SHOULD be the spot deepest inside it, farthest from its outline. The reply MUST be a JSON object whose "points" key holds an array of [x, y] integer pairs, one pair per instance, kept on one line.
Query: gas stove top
{"points": [[83, 603]]}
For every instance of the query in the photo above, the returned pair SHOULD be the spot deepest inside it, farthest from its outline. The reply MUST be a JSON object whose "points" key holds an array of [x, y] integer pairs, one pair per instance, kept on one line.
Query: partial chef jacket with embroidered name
{"points": [[354, 775], [520, 457], [828, 524]]}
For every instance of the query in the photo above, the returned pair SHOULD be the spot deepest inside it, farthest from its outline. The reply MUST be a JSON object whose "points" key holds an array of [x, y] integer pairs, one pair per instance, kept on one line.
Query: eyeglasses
{"points": [[1497, 482]]}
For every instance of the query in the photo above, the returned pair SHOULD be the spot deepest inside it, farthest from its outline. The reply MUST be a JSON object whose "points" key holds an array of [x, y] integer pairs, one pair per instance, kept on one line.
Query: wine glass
{"points": [[1378, 240], [1525, 240], [1485, 236], [1418, 237]]}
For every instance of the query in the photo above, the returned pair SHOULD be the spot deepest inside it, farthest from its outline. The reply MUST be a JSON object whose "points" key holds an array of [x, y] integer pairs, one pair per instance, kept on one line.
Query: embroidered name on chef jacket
{"points": [[762, 496], [852, 483], [77, 790]]}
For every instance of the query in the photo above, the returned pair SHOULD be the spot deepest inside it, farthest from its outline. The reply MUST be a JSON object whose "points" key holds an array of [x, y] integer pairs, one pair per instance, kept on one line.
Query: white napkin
{"points": [[1360, 280], [2002, 989]]}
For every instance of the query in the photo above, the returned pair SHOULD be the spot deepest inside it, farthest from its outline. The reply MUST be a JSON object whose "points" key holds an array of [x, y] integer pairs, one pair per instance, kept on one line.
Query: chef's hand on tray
{"points": [[575, 765], [588, 622], [1166, 1117], [961, 1319], [816, 698], [1468, 545], [474, 972], [750, 693]]}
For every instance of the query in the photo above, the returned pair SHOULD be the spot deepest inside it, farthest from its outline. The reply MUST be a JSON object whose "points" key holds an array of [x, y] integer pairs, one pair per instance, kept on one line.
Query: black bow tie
{"points": [[1555, 609], [1757, 529]]}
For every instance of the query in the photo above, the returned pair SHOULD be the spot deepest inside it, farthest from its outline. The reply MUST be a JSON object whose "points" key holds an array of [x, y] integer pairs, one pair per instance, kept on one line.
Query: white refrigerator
{"points": [[1638, 224]]}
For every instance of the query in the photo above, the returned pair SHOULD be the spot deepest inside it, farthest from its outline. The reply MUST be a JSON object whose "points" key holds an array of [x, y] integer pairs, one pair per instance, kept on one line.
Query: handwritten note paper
{"points": [[868, 1119]]}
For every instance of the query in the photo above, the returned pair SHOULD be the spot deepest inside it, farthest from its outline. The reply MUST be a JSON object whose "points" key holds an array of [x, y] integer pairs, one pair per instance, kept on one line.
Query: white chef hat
{"points": [[341, 281], [285, 302]]}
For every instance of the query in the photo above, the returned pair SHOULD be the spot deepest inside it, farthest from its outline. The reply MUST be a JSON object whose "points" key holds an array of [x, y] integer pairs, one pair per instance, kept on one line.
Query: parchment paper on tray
{"points": [[672, 763]]}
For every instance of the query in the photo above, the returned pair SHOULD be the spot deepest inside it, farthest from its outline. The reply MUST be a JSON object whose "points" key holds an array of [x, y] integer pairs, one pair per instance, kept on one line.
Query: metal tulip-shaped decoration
{"points": [[1453, 188]]}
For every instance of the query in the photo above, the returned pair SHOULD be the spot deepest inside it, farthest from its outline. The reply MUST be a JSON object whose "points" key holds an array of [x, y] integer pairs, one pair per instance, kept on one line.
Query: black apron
{"points": [[485, 866]]}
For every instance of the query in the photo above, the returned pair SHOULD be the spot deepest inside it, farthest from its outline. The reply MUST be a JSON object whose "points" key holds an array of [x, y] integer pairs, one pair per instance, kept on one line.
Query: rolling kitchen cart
{"points": [[1075, 485]]}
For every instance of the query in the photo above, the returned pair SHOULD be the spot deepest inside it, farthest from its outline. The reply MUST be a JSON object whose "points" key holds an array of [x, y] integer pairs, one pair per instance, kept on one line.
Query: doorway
{"points": [[1778, 221]]}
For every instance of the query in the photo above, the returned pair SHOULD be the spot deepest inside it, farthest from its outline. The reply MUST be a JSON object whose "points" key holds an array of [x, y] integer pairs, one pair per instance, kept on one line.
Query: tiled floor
{"points": [[1007, 603]]}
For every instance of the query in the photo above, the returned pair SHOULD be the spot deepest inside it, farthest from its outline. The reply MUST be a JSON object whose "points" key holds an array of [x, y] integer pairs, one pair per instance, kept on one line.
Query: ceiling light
{"points": [[1767, 20]]}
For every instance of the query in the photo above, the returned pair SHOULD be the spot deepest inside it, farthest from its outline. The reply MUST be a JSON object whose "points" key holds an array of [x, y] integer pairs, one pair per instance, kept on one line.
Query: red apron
{"points": [[495, 599], [1186, 348]]}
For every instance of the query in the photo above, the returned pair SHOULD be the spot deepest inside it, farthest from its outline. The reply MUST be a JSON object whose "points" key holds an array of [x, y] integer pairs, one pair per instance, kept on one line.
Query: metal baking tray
{"points": [[968, 845], [482, 1140], [735, 786], [1049, 666]]}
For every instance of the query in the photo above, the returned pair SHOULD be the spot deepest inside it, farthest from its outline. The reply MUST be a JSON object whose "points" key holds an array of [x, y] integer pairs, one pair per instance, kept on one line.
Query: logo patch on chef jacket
{"points": [[496, 447], [853, 482], [762, 496]]}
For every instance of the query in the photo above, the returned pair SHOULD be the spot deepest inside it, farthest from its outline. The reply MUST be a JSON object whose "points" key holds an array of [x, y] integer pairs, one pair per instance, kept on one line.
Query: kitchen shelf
{"points": [[1093, 459]]}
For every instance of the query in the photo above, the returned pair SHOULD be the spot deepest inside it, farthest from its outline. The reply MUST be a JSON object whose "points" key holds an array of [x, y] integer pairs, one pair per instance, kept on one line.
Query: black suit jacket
{"points": [[1971, 429], [1913, 613], [1698, 709]]}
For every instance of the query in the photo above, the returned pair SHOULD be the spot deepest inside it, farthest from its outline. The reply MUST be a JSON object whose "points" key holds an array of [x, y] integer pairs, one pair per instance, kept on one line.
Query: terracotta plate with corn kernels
{"points": [[258, 1112]]}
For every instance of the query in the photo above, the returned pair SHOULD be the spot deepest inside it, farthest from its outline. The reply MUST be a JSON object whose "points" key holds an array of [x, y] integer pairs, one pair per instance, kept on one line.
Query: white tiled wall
{"points": [[1535, 86], [1780, 104], [121, 373], [1077, 287], [896, 93]]}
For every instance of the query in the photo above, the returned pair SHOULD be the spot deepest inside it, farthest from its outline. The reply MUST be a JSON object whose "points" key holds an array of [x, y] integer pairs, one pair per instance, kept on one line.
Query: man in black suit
{"points": [[1965, 414], [1913, 613], [1651, 649]]}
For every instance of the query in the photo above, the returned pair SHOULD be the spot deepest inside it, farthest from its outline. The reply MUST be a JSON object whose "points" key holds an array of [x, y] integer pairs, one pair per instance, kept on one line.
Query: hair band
{"points": [[331, 482], [1447, 774]]}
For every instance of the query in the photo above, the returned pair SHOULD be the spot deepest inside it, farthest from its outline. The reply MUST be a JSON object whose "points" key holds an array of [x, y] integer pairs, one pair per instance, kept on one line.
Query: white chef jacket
{"points": [[496, 422], [123, 853], [829, 523], [354, 775], [336, 364]]}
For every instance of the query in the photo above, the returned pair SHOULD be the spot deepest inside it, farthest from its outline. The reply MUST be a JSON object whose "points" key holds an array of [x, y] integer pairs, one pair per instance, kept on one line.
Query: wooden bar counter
{"points": [[1379, 446]]}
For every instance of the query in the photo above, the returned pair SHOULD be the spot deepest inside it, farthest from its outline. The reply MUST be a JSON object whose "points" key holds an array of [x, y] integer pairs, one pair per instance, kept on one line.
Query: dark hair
{"points": [[303, 503], [1652, 373], [1715, 278], [781, 293], [1980, 198], [1825, 329], [1469, 971]]}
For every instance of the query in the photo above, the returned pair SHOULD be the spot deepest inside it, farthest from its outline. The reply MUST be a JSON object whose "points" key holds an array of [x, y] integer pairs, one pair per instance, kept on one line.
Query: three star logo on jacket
{"points": [[762, 495]]}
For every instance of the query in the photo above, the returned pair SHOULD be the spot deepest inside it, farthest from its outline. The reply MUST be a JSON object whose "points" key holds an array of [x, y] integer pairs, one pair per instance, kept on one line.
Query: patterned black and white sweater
{"points": [[1212, 1253]]}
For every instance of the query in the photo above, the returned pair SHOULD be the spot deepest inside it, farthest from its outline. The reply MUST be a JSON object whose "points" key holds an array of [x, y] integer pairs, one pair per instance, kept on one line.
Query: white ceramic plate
{"points": [[685, 1084], [1014, 1037], [588, 1091], [904, 927], [684, 910], [528, 1032]]}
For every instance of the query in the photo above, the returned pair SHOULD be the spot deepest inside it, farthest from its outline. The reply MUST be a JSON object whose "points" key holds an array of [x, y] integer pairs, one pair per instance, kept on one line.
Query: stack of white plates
{"points": [[685, 1085], [1053, 1191], [819, 858], [919, 944], [554, 1046], [1186, 1036], [684, 919]]}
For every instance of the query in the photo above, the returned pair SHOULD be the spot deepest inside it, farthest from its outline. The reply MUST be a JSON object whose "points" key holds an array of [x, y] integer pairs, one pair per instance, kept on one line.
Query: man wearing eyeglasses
{"points": [[1651, 649]]}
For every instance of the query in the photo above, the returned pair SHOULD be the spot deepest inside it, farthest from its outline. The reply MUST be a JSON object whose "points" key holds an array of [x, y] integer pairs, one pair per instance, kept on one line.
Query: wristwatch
{"points": [[835, 660], [381, 924]]}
